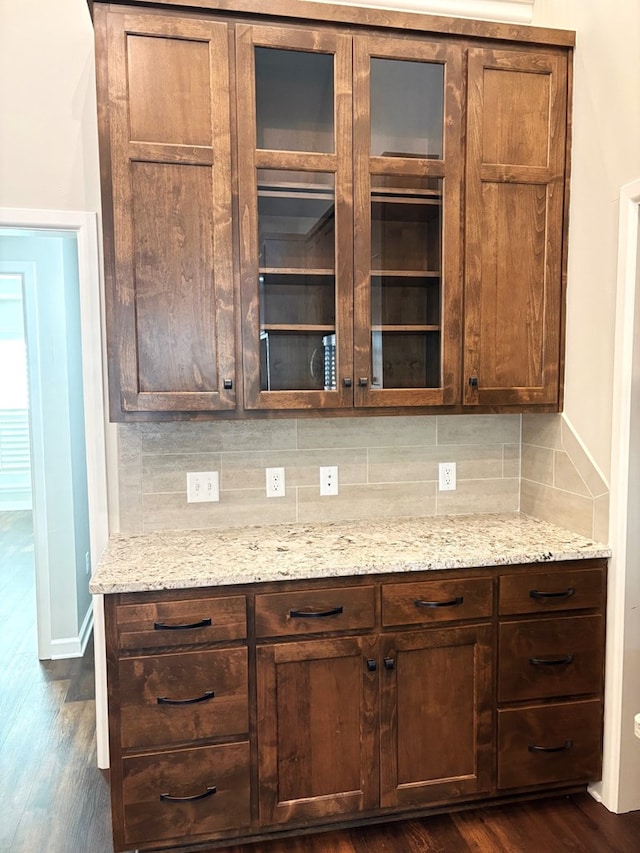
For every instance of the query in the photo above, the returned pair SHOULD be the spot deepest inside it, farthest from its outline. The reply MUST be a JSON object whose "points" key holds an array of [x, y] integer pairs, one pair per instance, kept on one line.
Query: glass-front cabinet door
{"points": [[408, 172], [296, 217]]}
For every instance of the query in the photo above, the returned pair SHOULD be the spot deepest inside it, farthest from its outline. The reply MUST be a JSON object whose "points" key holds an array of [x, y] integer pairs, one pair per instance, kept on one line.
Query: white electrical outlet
{"points": [[275, 482], [203, 486], [329, 480], [447, 476]]}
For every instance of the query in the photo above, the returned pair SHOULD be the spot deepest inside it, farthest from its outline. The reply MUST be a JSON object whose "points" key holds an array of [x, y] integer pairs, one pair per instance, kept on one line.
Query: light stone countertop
{"points": [[199, 558]]}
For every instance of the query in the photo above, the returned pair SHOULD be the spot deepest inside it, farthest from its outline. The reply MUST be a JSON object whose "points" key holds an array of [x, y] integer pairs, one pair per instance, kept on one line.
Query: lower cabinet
{"points": [[266, 709]]}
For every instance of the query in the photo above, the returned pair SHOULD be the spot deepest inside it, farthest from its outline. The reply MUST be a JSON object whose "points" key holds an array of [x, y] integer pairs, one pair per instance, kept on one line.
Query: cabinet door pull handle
{"points": [[164, 700], [452, 603], [167, 798], [315, 614], [566, 745], [347, 382], [389, 664], [567, 593], [372, 665], [473, 382], [228, 384], [551, 661], [161, 626], [363, 382]]}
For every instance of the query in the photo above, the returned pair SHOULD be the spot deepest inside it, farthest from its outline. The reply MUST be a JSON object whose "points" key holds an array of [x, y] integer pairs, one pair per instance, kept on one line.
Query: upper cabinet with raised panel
{"points": [[323, 208]]}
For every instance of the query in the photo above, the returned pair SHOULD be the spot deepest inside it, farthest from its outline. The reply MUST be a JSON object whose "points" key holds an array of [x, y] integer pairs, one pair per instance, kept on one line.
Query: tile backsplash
{"points": [[387, 466]]}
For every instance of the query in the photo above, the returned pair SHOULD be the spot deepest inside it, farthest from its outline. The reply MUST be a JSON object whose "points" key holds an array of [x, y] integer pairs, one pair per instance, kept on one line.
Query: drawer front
{"points": [[552, 743], [186, 793], [544, 592], [175, 698], [314, 611], [436, 601], [550, 657], [162, 623]]}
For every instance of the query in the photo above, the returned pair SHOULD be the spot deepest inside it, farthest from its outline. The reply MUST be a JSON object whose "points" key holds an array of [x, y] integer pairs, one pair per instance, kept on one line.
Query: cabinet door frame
{"points": [[482, 280], [250, 159], [450, 170], [393, 792], [127, 391], [334, 805]]}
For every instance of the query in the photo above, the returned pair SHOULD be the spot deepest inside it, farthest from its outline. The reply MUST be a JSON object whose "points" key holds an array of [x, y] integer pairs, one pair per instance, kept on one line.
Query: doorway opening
{"points": [[52, 443]]}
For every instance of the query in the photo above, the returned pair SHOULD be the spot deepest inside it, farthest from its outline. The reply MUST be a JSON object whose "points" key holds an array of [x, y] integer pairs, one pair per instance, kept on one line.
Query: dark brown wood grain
{"points": [[516, 119], [433, 601], [274, 611], [572, 588], [530, 651]]}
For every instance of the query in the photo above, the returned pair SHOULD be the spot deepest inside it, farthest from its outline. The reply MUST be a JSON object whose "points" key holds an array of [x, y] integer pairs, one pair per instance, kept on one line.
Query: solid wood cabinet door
{"points": [[317, 725], [436, 715], [407, 188], [515, 196], [168, 239]]}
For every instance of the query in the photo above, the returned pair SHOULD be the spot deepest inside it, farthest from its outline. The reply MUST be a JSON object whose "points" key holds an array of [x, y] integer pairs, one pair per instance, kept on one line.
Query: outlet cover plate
{"points": [[329, 480], [203, 487], [447, 476], [275, 482]]}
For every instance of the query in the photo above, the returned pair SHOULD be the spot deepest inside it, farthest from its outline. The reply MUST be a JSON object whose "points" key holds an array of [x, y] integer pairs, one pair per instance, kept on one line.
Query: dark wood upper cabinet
{"points": [[515, 187], [305, 216], [168, 240]]}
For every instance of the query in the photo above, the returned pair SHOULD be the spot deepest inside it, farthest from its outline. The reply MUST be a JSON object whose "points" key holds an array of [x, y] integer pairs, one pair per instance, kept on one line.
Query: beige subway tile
{"points": [[407, 464], [480, 496], [542, 430], [574, 512], [167, 472], [302, 467], [582, 462], [218, 436], [537, 464], [367, 501], [235, 509], [565, 475], [511, 456], [478, 429], [129, 479], [601, 518], [367, 431]]}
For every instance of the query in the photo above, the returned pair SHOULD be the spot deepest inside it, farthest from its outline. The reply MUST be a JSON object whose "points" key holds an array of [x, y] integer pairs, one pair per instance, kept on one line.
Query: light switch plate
{"points": [[203, 487]]}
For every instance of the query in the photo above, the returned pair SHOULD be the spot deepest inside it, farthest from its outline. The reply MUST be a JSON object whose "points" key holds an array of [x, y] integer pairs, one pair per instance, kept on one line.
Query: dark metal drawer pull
{"points": [[160, 626], [457, 600], [551, 661], [167, 798], [163, 700], [389, 664], [315, 614], [372, 665], [566, 745], [566, 594]]}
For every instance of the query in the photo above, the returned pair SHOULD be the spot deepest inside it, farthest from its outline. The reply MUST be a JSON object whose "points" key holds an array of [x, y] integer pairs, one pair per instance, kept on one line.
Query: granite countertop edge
{"points": [[185, 559]]}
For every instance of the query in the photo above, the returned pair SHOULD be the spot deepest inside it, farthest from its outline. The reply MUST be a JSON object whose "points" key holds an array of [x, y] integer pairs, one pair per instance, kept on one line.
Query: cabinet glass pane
{"points": [[296, 244], [406, 282], [294, 100], [406, 108]]}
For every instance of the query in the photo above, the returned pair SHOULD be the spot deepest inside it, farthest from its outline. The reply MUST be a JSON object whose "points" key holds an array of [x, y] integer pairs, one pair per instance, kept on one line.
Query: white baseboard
{"points": [[74, 647]]}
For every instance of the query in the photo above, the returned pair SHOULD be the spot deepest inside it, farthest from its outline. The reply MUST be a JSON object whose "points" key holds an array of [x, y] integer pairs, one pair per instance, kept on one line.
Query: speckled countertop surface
{"points": [[197, 558]]}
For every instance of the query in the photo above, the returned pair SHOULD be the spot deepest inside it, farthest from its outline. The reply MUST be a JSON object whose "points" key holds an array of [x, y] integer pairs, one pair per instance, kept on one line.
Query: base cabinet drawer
{"points": [[543, 658], [191, 696], [314, 611], [186, 793], [551, 743]]}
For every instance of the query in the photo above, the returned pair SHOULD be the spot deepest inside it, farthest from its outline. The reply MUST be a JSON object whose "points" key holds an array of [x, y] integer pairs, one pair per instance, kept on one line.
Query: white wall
{"points": [[605, 156], [48, 136]]}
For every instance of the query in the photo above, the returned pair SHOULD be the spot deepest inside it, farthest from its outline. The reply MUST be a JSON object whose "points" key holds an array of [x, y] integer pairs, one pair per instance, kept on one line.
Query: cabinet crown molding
{"points": [[511, 11]]}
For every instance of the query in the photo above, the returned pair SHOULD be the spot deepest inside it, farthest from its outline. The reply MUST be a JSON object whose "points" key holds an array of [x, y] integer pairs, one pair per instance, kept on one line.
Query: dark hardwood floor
{"points": [[53, 799]]}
